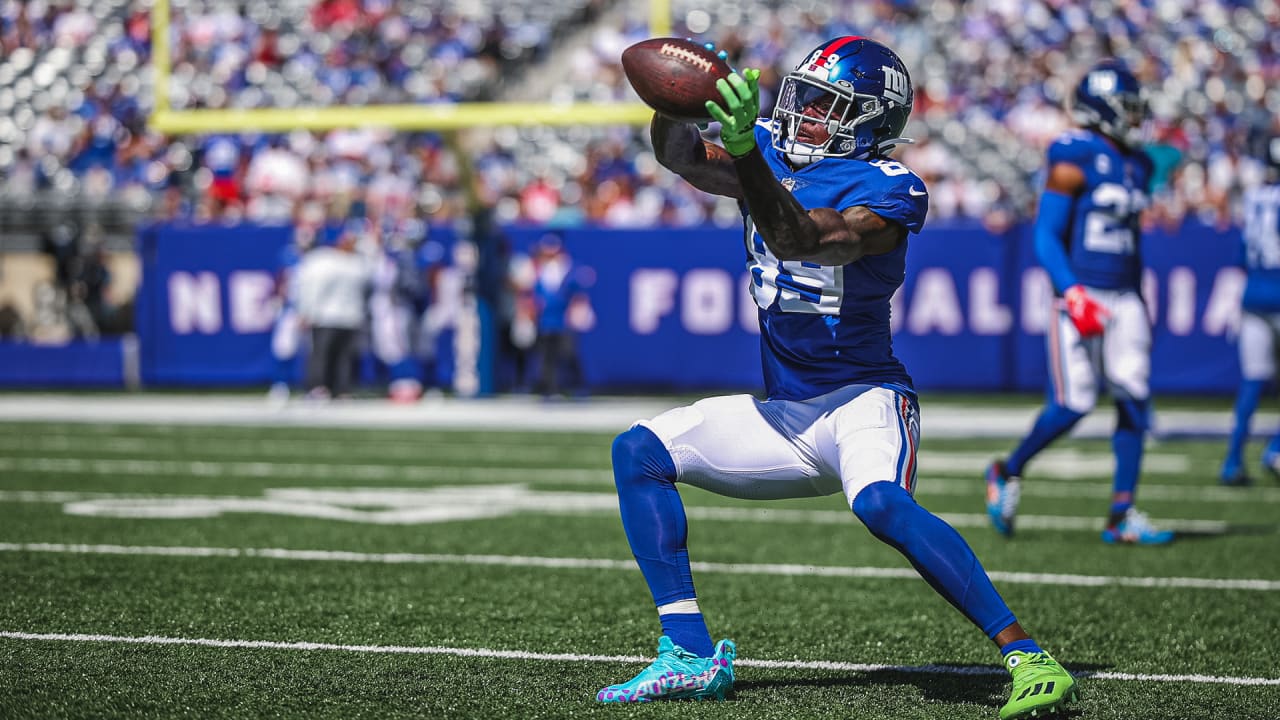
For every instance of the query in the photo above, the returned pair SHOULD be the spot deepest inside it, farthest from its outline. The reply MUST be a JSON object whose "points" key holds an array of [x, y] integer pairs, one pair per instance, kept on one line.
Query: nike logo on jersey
{"points": [[916, 192]]}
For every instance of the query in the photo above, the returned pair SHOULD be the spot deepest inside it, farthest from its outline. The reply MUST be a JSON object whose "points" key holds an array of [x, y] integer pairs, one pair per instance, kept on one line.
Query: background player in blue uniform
{"points": [[1260, 315], [826, 218], [1088, 238], [287, 331]]}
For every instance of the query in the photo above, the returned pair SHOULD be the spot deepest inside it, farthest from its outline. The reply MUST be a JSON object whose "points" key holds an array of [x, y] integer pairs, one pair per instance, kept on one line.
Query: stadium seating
{"points": [[75, 90]]}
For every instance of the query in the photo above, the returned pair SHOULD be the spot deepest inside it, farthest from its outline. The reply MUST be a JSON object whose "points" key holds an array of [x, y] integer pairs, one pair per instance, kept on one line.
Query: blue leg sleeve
{"points": [[1247, 399], [937, 552], [282, 371], [654, 520], [1132, 420], [1054, 422]]}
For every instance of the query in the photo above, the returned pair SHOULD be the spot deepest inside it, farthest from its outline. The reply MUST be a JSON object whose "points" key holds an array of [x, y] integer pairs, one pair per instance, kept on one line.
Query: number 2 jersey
{"points": [[824, 327], [1104, 245]]}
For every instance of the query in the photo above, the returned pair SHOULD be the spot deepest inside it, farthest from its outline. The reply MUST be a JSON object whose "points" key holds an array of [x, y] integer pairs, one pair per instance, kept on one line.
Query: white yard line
{"points": [[776, 569], [576, 657], [365, 472]]}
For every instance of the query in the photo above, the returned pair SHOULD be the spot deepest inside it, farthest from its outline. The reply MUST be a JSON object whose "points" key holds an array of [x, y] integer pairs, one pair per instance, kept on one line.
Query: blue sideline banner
{"points": [[76, 364], [205, 308], [671, 311]]}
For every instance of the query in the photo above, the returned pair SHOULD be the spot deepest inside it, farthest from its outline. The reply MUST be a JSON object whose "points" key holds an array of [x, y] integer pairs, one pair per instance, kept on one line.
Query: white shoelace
{"points": [[1010, 497]]}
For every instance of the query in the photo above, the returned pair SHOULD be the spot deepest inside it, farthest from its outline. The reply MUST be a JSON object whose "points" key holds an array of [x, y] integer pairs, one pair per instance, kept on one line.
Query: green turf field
{"points": [[204, 572]]}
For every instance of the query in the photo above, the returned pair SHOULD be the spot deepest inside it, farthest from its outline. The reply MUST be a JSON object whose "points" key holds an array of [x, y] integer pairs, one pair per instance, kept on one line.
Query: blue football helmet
{"points": [[1109, 99], [858, 88]]}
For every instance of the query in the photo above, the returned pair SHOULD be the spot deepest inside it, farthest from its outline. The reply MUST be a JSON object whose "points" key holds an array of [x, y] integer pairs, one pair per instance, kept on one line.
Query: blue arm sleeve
{"points": [[1050, 230]]}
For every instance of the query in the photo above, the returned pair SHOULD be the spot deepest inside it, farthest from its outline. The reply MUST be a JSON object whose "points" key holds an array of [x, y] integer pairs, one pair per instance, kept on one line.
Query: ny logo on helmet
{"points": [[896, 85]]}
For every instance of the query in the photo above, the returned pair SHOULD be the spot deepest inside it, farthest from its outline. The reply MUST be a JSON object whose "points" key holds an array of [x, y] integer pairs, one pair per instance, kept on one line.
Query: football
{"points": [[675, 77]]}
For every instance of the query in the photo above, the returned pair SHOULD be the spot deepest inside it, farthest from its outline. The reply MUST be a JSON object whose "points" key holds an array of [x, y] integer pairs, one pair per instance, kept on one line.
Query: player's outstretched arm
{"points": [[680, 148], [792, 232]]}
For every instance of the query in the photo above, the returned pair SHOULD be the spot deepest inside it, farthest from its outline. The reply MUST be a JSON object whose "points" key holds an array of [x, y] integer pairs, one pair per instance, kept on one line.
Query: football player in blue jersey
{"points": [[1088, 238], [1260, 315], [826, 216]]}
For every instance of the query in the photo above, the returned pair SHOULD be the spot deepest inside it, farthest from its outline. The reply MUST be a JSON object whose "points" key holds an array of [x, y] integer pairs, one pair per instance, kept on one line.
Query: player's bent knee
{"points": [[878, 505], [639, 456]]}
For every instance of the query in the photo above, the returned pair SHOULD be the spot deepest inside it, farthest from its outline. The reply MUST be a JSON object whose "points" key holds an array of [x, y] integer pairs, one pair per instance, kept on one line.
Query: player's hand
{"points": [[1086, 314], [741, 109]]}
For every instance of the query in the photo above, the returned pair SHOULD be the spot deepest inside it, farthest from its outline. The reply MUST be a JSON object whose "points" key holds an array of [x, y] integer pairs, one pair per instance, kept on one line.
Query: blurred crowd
{"points": [[76, 84]]}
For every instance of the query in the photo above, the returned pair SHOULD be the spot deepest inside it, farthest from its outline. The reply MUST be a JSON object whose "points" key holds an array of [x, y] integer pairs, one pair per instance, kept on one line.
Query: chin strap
{"points": [[891, 142], [801, 159]]}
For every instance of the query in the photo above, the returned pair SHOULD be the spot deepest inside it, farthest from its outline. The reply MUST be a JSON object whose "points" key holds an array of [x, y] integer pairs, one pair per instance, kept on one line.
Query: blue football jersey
{"points": [[1261, 236], [1105, 240], [290, 257], [824, 327]]}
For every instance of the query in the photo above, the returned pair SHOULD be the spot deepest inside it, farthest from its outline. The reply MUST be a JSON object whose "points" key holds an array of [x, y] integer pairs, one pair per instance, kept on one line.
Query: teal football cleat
{"points": [[678, 674], [1003, 492], [1136, 529], [1041, 686]]}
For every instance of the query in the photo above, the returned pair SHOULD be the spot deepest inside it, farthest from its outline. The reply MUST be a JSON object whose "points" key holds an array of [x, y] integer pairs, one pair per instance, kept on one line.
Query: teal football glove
{"points": [[741, 109]]}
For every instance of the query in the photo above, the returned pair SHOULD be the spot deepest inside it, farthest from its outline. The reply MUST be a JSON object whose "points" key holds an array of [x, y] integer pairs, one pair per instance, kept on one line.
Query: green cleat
{"points": [[678, 674], [1041, 687]]}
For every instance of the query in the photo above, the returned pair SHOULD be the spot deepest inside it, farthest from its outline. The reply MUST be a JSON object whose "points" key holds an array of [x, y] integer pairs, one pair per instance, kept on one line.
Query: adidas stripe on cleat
{"points": [[1041, 687], [677, 674]]}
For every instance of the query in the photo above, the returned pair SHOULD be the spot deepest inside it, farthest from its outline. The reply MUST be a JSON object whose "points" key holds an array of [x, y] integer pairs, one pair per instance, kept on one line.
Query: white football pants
{"points": [[1120, 358], [743, 447], [1258, 334]]}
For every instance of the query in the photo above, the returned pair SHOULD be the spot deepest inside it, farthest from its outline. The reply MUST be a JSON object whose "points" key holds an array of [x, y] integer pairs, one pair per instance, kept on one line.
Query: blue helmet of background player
{"points": [[855, 89], [1109, 99]]}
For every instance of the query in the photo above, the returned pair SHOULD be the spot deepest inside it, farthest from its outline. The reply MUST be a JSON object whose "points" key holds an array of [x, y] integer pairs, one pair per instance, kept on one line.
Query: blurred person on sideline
{"points": [[518, 326], [395, 304], [287, 329], [559, 292], [88, 308], [333, 289], [1259, 315]]}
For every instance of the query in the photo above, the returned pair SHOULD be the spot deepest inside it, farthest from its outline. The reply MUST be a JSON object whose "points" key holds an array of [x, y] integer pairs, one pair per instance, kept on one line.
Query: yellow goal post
{"points": [[441, 117]]}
